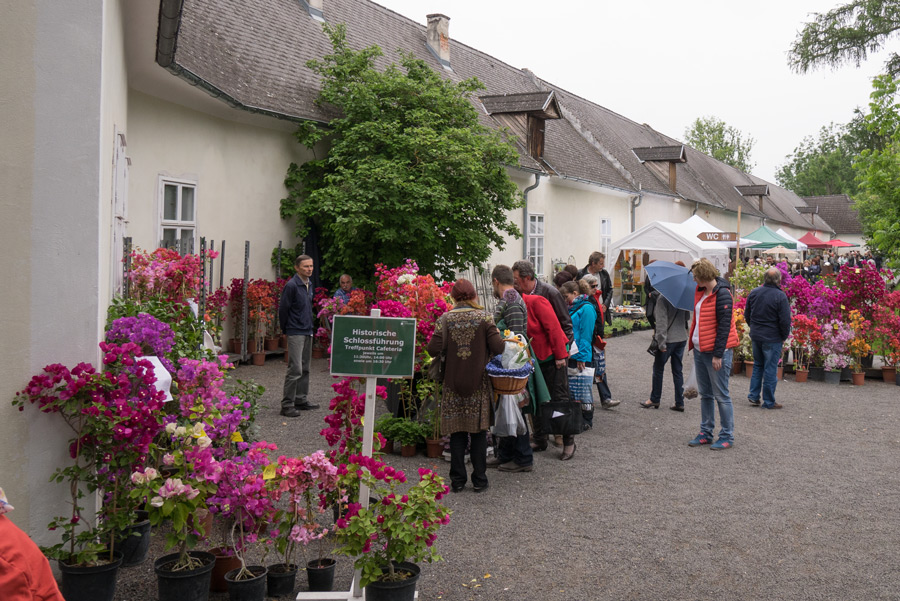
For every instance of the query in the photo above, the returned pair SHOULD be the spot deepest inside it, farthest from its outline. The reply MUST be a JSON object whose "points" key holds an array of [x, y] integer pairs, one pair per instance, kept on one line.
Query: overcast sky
{"points": [[666, 63]]}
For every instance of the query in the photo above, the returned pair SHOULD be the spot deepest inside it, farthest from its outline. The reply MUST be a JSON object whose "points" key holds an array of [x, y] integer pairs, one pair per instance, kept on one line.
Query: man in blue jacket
{"points": [[768, 313], [295, 313]]}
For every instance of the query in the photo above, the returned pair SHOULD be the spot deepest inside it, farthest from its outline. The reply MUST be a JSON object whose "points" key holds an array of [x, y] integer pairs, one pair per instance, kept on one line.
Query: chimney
{"points": [[438, 38], [315, 9]]}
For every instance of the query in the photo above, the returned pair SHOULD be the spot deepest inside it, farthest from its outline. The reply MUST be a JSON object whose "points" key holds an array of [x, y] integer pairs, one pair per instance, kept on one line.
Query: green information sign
{"points": [[373, 346]]}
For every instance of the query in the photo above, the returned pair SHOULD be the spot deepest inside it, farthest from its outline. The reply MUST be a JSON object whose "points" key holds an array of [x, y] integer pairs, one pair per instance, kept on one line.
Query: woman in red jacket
{"points": [[25, 574], [713, 336]]}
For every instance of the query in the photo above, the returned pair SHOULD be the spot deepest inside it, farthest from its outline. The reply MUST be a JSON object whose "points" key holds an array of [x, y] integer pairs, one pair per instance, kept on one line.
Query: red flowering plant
{"points": [[259, 303], [807, 337], [305, 487], [860, 288], [244, 499], [114, 417], [886, 329], [236, 306], [277, 289], [327, 308], [858, 346], [179, 490]]}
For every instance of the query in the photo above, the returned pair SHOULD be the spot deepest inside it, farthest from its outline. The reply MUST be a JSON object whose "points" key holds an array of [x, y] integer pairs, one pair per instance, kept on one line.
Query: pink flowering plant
{"points": [[166, 275], [114, 417], [401, 527], [180, 494], [305, 488], [836, 337]]}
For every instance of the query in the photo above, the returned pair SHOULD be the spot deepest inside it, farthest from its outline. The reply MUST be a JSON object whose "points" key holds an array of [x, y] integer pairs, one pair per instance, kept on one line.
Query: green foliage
{"points": [[622, 324], [879, 174], [287, 260], [847, 34], [387, 425], [821, 166], [249, 392], [712, 136], [747, 277], [409, 432], [410, 173]]}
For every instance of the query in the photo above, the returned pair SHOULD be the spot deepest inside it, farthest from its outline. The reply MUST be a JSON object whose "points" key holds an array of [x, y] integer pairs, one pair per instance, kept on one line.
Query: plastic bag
{"points": [[581, 385], [515, 355], [508, 419], [690, 385]]}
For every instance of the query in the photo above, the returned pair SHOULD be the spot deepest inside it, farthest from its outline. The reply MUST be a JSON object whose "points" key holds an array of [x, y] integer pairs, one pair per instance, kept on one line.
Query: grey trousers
{"points": [[296, 380]]}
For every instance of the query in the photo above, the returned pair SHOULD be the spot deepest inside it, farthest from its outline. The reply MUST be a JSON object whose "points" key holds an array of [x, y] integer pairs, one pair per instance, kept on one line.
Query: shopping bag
{"points": [[508, 419], [561, 417], [515, 354], [690, 385], [581, 384]]}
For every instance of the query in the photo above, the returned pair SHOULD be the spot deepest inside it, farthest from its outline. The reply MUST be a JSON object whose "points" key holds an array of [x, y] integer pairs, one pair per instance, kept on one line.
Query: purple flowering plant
{"points": [[836, 338], [153, 336]]}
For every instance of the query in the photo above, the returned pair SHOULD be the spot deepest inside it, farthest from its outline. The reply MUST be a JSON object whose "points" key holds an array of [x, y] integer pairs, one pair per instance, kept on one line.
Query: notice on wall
{"points": [[373, 346]]}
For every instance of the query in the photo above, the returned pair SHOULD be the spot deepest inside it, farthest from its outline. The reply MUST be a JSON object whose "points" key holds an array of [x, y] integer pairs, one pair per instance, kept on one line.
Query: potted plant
{"points": [[308, 485], [386, 424], [409, 433], [179, 497], [858, 347], [388, 538], [886, 335], [434, 445], [236, 310], [807, 336], [112, 417]]}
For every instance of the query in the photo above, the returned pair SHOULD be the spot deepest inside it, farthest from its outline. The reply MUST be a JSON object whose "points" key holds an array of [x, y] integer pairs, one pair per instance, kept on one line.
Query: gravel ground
{"points": [[803, 507]]}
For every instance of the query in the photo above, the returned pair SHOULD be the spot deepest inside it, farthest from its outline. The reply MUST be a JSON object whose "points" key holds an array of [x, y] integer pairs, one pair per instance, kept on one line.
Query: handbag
{"points": [[436, 369], [653, 349], [562, 417]]}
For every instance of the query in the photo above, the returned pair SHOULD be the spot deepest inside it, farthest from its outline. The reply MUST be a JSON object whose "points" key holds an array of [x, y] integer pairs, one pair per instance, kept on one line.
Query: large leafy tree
{"points": [[879, 173], [721, 141], [822, 165], [847, 34], [409, 173]]}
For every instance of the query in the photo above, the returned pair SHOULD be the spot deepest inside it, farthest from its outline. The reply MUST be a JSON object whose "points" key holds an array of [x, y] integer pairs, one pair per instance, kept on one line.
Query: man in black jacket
{"points": [[295, 313], [768, 313]]}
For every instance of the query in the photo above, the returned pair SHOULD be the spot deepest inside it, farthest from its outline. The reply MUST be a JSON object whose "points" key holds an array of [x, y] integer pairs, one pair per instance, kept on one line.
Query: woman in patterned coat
{"points": [[471, 340]]}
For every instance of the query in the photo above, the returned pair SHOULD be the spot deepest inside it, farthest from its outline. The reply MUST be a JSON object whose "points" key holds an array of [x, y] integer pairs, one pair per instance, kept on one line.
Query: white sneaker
{"points": [[609, 404]]}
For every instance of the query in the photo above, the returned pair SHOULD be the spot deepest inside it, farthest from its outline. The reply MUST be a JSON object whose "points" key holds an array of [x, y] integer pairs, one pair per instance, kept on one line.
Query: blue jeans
{"points": [[765, 371], [674, 352], [713, 388]]}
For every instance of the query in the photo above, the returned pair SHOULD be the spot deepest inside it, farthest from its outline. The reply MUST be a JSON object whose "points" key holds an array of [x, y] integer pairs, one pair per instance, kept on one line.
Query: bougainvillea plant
{"points": [[154, 337], [807, 336], [836, 337], [166, 275]]}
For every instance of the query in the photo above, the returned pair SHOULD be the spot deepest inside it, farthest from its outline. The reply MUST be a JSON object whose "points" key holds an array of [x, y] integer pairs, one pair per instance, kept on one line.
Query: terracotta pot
{"points": [[434, 448], [318, 353], [888, 374], [780, 374], [858, 378], [287, 356], [408, 450], [282, 340], [801, 375], [748, 369], [737, 366], [272, 344], [234, 345], [388, 447], [259, 358], [224, 564]]}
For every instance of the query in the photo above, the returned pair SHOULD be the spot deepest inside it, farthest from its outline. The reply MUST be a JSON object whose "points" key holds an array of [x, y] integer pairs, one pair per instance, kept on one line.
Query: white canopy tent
{"points": [[801, 247], [676, 241]]}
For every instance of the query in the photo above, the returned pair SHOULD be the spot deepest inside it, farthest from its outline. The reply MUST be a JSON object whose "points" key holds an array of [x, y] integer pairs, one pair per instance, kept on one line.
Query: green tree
{"points": [[847, 34], [410, 171], [821, 166], [719, 140], [879, 173]]}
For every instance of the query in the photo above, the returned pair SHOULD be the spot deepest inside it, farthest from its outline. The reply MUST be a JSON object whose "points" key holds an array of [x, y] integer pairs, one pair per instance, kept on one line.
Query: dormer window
{"points": [[663, 154], [524, 114]]}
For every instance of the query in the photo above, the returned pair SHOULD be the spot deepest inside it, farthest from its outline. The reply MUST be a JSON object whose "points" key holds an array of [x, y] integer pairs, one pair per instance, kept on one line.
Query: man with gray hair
{"points": [[768, 313]]}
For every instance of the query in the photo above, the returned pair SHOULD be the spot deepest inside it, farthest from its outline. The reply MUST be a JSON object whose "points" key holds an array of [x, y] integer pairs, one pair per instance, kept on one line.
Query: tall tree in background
{"points": [[847, 34], [719, 140], [821, 166], [879, 173], [409, 173]]}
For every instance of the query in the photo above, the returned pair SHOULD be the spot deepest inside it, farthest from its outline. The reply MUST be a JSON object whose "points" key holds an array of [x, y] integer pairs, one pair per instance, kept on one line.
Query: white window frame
{"points": [[536, 241], [181, 225], [606, 238]]}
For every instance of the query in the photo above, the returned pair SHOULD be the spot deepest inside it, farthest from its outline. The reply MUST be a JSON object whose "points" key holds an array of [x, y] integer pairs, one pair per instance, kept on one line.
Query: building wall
{"points": [[50, 89], [239, 171]]}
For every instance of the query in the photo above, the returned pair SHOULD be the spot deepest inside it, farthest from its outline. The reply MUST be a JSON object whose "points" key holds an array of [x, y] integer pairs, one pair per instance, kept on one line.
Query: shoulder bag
{"points": [[436, 369]]}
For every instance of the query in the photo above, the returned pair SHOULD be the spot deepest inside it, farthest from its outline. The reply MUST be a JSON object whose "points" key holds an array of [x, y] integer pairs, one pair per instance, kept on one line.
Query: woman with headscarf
{"points": [[584, 317], [470, 338]]}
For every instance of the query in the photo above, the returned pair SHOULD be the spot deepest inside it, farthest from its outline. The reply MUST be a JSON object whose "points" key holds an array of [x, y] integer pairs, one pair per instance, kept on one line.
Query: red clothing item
{"points": [[547, 336], [25, 574]]}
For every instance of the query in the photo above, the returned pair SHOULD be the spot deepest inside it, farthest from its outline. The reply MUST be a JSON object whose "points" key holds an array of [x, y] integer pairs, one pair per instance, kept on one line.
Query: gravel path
{"points": [[805, 506]]}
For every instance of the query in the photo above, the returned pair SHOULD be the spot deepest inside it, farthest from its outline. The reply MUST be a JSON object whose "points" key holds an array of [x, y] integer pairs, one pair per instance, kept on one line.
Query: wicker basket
{"points": [[508, 384]]}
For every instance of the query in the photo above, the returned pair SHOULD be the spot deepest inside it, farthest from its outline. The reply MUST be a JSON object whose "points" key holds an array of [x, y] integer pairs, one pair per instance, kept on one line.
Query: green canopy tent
{"points": [[766, 238]]}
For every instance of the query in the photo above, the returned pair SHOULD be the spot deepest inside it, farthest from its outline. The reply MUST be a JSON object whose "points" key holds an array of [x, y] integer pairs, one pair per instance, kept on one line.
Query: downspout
{"points": [[635, 205], [696, 208], [537, 182]]}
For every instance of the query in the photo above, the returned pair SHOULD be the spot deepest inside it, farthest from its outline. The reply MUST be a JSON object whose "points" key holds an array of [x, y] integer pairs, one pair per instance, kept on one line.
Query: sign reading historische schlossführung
{"points": [[373, 346]]}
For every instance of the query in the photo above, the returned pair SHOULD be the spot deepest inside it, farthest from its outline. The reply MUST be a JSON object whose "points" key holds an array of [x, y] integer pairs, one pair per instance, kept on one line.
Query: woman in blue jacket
{"points": [[583, 318]]}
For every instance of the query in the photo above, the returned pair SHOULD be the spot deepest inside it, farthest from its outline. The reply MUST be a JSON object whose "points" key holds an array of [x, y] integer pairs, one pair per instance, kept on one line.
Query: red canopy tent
{"points": [[836, 243], [811, 241]]}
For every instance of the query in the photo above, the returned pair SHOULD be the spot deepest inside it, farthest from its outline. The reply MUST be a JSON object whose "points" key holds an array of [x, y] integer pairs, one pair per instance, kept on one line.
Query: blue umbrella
{"points": [[674, 282]]}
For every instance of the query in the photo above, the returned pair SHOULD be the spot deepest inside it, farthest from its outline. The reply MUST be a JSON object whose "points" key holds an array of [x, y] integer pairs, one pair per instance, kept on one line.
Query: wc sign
{"points": [[718, 236]]}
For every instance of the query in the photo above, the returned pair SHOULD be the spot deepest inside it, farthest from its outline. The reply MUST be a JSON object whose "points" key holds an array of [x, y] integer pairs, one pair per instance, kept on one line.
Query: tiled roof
{"points": [[255, 53], [838, 211], [530, 102]]}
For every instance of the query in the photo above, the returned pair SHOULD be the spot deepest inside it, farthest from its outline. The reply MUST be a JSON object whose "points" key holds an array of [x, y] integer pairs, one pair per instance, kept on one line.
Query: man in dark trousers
{"points": [[768, 313], [295, 313], [595, 267]]}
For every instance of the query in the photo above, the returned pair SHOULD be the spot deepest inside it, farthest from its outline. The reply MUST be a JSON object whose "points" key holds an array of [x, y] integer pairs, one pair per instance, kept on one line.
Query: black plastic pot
{"points": [[95, 583], [816, 374], [320, 574], [251, 589], [401, 590], [281, 580], [184, 585], [135, 541]]}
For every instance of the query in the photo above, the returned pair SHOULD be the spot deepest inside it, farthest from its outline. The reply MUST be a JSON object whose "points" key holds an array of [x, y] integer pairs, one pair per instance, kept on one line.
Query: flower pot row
{"points": [[889, 375]]}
